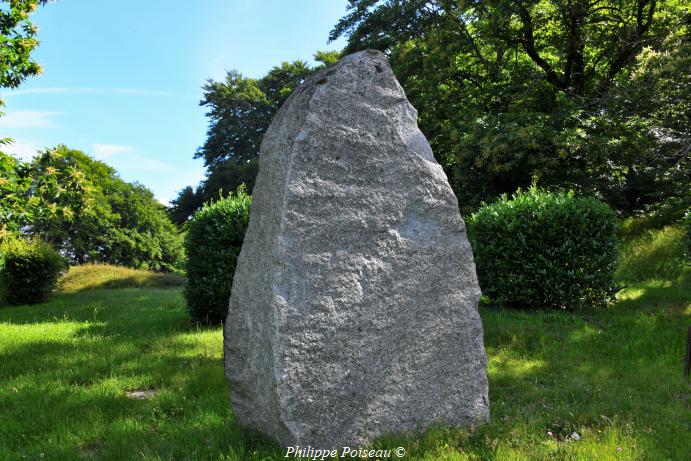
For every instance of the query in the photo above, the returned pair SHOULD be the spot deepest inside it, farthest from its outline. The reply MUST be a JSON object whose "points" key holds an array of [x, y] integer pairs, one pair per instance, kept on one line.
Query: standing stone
{"points": [[354, 305]]}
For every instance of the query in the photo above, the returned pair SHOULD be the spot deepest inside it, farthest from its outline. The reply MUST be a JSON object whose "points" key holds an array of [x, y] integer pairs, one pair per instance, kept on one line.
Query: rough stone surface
{"points": [[354, 305]]}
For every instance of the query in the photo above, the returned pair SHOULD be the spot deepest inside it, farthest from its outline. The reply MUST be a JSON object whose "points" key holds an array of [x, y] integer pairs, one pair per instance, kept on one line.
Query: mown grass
{"points": [[655, 255], [90, 276], [612, 376]]}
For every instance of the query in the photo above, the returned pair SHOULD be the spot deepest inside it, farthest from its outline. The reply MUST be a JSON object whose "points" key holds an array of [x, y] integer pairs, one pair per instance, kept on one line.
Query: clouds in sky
{"points": [[22, 149], [103, 151], [86, 90], [127, 159], [29, 119]]}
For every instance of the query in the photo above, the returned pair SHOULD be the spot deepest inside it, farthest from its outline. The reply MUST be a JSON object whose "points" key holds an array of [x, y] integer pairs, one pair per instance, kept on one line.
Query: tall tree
{"points": [[511, 89]]}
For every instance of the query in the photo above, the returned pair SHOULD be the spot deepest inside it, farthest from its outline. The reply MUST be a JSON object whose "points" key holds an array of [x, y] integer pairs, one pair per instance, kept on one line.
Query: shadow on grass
{"points": [[612, 376], [67, 365]]}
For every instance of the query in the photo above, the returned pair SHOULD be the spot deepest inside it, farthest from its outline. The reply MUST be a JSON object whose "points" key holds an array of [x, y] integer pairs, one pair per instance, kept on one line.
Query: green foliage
{"points": [[611, 375], [13, 186], [17, 41], [29, 270], [240, 110], [545, 250], [657, 254], [94, 216], [589, 96], [213, 242]]}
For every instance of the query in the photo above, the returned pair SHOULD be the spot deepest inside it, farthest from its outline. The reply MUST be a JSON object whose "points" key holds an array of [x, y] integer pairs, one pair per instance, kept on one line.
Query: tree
{"points": [[13, 205], [511, 89], [240, 110], [17, 41], [91, 215]]}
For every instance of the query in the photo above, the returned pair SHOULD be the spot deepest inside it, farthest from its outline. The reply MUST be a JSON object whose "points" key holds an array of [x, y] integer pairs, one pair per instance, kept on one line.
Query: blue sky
{"points": [[122, 79]]}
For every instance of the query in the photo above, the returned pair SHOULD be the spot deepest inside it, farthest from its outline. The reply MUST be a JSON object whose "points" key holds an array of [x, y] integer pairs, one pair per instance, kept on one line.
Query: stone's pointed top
{"points": [[354, 304]]}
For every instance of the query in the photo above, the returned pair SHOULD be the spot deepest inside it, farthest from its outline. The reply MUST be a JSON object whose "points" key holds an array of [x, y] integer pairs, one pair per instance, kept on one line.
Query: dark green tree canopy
{"points": [[240, 110], [512, 89], [578, 46]]}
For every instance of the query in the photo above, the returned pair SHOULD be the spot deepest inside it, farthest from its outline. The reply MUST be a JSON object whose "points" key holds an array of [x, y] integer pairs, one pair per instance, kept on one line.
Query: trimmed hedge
{"points": [[29, 270], [214, 238], [545, 250]]}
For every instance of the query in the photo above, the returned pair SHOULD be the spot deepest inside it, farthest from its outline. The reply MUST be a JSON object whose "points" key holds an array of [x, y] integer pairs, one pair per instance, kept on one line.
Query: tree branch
{"points": [[528, 43]]}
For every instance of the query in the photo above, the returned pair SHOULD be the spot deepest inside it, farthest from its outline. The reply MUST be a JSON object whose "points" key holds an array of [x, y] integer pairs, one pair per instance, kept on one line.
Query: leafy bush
{"points": [[656, 255], [29, 270], [214, 238], [545, 250]]}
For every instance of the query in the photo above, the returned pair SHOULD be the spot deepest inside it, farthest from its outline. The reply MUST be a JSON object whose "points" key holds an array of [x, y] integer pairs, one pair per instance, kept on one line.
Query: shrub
{"points": [[29, 270], [214, 238], [545, 250]]}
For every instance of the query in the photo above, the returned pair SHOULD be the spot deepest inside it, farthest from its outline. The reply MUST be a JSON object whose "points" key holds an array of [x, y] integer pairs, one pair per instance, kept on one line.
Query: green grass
{"points": [[655, 255], [90, 276], [614, 376]]}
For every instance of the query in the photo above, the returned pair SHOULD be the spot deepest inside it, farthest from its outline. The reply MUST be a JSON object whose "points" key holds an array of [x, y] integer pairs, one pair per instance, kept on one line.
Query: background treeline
{"points": [[590, 96], [83, 208]]}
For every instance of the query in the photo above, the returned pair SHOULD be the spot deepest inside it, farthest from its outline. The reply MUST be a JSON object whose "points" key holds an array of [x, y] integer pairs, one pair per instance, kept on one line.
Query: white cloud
{"points": [[146, 164], [67, 90], [125, 159], [28, 119], [21, 149], [101, 151]]}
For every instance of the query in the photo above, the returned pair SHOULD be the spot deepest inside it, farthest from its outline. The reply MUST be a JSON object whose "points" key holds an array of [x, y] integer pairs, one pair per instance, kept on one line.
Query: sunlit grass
{"points": [[657, 254], [611, 376], [90, 276]]}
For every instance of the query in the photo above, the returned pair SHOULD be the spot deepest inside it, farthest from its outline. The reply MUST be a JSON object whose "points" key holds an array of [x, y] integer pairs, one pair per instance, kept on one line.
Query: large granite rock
{"points": [[354, 305]]}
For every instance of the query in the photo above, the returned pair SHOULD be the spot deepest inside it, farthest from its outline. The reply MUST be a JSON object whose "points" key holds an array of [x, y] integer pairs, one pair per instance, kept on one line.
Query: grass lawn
{"points": [[613, 376], [69, 367]]}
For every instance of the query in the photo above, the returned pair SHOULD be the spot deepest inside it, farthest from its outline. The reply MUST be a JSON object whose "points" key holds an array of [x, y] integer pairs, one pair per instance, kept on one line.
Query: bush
{"points": [[29, 270], [214, 238], [545, 250]]}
